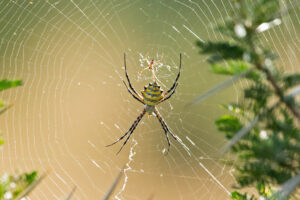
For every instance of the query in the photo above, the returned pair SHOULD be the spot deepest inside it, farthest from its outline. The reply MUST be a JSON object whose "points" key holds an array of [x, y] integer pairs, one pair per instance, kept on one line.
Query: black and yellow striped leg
{"points": [[138, 99], [165, 127], [168, 97], [129, 83], [175, 82], [166, 131], [172, 134], [130, 131]]}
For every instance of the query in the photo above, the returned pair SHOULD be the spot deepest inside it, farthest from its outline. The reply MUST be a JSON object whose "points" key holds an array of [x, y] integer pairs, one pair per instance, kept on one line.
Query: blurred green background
{"points": [[69, 55]]}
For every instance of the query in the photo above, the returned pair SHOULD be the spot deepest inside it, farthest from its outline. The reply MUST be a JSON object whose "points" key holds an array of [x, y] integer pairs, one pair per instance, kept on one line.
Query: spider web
{"points": [[69, 55]]}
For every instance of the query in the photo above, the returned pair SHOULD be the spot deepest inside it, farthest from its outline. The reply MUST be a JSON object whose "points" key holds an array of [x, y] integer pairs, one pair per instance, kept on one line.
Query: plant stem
{"points": [[279, 92]]}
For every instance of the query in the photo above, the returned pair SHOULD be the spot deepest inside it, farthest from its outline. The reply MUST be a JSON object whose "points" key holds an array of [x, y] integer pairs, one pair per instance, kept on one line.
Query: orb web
{"points": [[69, 55]]}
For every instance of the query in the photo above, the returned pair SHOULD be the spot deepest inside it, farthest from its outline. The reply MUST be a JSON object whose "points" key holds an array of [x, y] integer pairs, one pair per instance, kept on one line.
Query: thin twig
{"points": [[241, 133], [5, 109], [248, 127], [219, 87], [113, 186], [31, 186], [278, 91], [71, 193]]}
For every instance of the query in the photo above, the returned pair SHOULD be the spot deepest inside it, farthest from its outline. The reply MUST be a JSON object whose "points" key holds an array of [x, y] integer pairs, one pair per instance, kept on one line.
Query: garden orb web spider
{"points": [[152, 95]]}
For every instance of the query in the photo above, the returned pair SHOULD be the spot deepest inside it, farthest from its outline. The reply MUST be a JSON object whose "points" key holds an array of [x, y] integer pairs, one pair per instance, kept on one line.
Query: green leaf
{"points": [[264, 10], [238, 196], [32, 181], [232, 68], [1, 190], [259, 94], [291, 80], [264, 190], [31, 177], [254, 76], [220, 51], [6, 84], [1, 142], [2, 104], [239, 134], [24, 184], [229, 124]]}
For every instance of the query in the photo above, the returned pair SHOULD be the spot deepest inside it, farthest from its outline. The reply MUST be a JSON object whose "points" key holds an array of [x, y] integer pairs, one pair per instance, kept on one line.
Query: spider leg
{"points": [[121, 138], [136, 122], [172, 134], [175, 82], [130, 131], [138, 99], [129, 83], [165, 127], [168, 97]]}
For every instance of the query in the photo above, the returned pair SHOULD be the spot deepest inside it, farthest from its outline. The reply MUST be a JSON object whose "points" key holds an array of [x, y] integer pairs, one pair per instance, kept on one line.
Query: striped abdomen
{"points": [[152, 94]]}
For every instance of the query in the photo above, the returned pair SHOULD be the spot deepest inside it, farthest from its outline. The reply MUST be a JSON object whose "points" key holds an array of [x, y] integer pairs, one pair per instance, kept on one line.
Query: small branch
{"points": [[279, 91]]}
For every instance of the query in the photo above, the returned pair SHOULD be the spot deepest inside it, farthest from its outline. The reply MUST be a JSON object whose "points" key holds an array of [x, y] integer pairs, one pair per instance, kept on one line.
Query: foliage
{"points": [[17, 186], [232, 68], [220, 51], [265, 192], [12, 186], [6, 84], [269, 154]]}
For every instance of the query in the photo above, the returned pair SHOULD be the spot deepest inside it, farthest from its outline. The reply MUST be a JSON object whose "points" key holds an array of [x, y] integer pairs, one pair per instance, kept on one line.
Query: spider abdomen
{"points": [[152, 94]]}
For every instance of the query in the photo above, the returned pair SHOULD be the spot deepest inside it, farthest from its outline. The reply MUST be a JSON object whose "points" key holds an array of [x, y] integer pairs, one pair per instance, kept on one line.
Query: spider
{"points": [[151, 96]]}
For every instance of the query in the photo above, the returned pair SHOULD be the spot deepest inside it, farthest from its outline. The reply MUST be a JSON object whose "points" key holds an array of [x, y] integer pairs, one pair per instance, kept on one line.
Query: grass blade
{"points": [[294, 92], [239, 135], [5, 109], [71, 193], [287, 188], [242, 132], [114, 185], [219, 87], [31, 187]]}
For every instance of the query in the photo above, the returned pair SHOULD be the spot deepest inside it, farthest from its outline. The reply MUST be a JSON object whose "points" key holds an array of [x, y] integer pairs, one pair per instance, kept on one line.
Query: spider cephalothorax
{"points": [[151, 96]]}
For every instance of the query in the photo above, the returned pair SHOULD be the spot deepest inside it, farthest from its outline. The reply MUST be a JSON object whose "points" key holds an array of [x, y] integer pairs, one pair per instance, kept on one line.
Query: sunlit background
{"points": [[69, 54]]}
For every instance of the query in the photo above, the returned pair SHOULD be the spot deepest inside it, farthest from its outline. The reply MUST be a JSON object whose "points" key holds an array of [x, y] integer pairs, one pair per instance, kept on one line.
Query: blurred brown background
{"points": [[69, 55]]}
